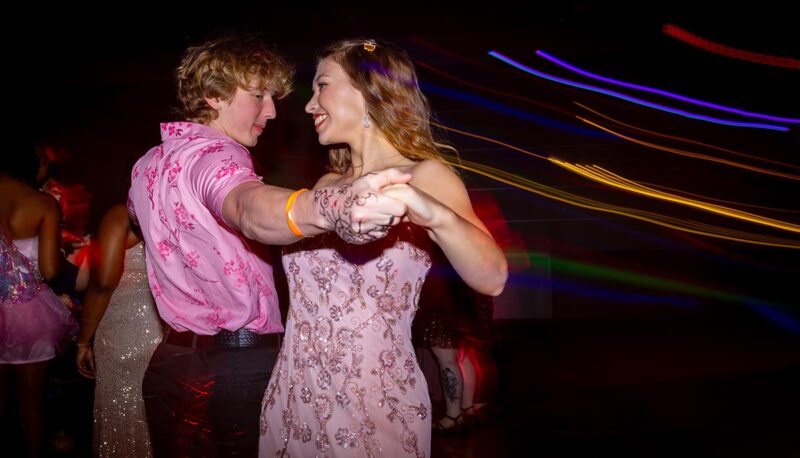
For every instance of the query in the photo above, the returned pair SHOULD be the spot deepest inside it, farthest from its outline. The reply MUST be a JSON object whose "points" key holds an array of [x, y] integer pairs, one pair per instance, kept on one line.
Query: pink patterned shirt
{"points": [[202, 273]]}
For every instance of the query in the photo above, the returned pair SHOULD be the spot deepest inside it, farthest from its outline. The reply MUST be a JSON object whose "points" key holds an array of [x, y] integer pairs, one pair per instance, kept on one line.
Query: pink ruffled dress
{"points": [[34, 324]]}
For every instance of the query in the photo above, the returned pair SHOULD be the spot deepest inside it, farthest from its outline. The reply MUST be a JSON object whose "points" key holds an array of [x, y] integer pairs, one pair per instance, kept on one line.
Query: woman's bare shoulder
{"points": [[39, 200], [433, 171]]}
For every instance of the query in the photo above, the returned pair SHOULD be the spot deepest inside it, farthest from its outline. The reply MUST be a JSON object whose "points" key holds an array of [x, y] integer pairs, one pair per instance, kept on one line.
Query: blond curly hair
{"points": [[218, 66]]}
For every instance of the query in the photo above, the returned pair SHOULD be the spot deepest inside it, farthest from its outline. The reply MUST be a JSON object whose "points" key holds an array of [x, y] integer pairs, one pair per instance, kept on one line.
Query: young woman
{"points": [[120, 327], [34, 324], [347, 382]]}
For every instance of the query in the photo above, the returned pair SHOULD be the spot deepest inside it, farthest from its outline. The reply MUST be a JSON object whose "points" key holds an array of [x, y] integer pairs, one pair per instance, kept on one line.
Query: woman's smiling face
{"points": [[336, 106]]}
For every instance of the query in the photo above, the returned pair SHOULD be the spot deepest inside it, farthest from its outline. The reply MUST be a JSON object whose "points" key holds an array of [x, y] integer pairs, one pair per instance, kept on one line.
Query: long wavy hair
{"points": [[385, 76]]}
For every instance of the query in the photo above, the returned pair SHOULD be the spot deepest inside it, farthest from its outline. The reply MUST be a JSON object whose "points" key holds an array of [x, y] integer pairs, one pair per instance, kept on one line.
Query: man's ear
{"points": [[214, 102]]}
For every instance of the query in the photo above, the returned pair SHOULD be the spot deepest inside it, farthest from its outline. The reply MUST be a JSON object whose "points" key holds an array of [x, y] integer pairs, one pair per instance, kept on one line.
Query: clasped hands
{"points": [[376, 202]]}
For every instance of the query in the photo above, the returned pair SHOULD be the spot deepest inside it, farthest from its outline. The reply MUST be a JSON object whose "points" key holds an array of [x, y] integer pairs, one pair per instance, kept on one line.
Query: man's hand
{"points": [[359, 212]]}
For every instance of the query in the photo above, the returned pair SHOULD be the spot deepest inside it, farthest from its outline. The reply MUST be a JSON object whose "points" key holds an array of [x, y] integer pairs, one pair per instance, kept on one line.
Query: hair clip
{"points": [[370, 45]]}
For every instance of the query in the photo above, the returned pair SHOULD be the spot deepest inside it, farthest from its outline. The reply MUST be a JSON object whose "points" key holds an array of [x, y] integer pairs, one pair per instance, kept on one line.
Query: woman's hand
{"points": [[84, 359], [423, 210]]}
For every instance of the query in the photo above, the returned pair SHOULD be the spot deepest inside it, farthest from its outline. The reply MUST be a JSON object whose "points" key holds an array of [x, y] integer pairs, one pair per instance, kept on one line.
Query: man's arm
{"points": [[355, 211]]}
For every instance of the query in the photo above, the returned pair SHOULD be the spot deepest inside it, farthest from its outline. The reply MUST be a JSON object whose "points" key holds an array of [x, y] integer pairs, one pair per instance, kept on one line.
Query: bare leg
{"points": [[8, 434], [30, 387], [487, 380], [470, 381], [478, 397], [3, 390], [452, 383]]}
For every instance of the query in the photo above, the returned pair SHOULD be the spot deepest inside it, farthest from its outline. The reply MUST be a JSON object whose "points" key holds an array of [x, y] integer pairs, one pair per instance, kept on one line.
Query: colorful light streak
{"points": [[447, 52], [661, 92], [661, 220], [642, 215], [778, 317], [582, 269], [677, 151], [576, 288], [706, 292], [699, 196], [508, 110], [601, 175], [627, 277], [688, 140], [691, 154], [637, 101], [727, 51], [491, 90]]}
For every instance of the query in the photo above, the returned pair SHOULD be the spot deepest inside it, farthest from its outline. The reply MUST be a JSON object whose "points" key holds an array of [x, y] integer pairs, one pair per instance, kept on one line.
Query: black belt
{"points": [[228, 339]]}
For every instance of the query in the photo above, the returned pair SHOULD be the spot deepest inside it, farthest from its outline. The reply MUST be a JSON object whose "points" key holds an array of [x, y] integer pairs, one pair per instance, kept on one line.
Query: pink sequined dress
{"points": [[347, 382], [38, 328]]}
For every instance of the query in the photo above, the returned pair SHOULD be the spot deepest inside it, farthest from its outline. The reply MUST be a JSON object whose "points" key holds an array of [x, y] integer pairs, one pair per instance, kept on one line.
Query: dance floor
{"points": [[720, 384]]}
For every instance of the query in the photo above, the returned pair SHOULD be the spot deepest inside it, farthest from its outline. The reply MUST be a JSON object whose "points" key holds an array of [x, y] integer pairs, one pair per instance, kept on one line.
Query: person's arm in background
{"points": [[114, 236], [50, 256], [80, 259]]}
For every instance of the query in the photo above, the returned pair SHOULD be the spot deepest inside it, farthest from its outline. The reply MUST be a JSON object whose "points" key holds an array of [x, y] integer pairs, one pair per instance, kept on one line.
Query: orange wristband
{"points": [[289, 204]]}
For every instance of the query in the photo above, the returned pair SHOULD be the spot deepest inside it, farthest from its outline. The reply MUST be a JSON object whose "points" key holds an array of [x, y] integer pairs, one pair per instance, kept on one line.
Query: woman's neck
{"points": [[375, 154]]}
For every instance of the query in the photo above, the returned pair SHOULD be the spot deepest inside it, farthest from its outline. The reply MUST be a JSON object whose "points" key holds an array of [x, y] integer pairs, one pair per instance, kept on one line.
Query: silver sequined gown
{"points": [[125, 340]]}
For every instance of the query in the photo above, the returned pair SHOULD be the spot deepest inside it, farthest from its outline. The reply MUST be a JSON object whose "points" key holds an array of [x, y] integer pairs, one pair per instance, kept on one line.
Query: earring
{"points": [[367, 123]]}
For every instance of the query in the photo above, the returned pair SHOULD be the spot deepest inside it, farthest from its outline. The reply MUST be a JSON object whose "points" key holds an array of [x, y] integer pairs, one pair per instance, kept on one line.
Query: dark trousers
{"points": [[206, 402]]}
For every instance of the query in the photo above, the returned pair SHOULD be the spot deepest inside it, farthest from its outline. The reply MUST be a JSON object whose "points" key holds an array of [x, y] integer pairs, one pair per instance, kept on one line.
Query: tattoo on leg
{"points": [[336, 206], [450, 384]]}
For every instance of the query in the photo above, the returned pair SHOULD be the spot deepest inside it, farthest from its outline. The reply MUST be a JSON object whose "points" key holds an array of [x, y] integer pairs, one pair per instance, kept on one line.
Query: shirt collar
{"points": [[174, 130]]}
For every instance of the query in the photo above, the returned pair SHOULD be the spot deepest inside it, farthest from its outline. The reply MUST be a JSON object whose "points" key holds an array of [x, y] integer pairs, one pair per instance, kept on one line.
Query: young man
{"points": [[196, 200]]}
